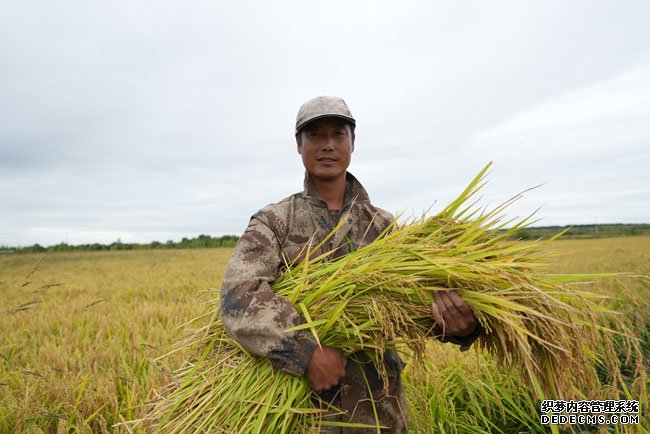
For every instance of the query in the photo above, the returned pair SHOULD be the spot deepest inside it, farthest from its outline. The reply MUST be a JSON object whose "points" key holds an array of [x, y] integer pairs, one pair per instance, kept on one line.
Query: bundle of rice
{"points": [[379, 297]]}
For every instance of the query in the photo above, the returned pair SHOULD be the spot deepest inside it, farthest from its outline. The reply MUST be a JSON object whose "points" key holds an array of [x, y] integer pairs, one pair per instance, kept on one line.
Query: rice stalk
{"points": [[467, 393], [378, 297]]}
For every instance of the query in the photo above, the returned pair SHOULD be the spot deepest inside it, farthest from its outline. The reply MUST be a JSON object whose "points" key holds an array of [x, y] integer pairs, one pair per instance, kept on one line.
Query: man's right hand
{"points": [[325, 369]]}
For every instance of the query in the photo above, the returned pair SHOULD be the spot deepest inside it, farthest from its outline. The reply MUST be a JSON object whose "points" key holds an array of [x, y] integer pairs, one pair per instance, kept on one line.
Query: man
{"points": [[257, 318]]}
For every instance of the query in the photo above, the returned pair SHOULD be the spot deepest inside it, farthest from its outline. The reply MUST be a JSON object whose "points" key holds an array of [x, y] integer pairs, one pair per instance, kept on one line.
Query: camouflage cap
{"points": [[321, 107]]}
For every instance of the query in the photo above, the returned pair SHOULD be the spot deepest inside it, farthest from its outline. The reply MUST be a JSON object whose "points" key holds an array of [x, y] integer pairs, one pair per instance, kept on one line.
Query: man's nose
{"points": [[328, 144]]}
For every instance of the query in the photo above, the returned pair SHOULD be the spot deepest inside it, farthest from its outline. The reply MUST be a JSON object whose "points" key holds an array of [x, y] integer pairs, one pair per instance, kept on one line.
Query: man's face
{"points": [[326, 146]]}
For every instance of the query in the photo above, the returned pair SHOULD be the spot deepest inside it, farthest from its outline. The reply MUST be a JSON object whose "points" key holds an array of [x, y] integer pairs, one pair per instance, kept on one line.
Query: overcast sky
{"points": [[155, 120]]}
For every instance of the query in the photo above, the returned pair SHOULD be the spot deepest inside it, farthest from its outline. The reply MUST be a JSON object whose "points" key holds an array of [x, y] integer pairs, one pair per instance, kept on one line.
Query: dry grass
{"points": [[78, 355], [75, 366]]}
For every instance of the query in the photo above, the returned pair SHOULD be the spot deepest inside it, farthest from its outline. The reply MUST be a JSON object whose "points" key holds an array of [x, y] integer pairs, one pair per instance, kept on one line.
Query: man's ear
{"points": [[352, 150], [299, 144]]}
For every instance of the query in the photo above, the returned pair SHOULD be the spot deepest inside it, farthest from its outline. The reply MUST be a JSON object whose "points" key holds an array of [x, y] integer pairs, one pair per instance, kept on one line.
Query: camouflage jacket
{"points": [[257, 318]]}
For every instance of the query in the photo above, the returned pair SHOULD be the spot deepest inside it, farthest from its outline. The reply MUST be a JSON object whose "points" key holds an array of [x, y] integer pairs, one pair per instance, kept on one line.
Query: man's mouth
{"points": [[327, 160]]}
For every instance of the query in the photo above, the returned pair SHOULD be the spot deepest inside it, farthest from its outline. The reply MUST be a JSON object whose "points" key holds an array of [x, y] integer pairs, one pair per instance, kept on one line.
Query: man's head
{"points": [[325, 137]]}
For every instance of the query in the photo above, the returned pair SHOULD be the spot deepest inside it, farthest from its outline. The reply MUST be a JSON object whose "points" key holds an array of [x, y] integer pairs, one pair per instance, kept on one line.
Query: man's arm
{"points": [[252, 313]]}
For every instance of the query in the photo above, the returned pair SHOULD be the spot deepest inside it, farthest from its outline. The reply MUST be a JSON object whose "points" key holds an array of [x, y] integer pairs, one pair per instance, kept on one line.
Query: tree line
{"points": [[585, 231], [207, 241], [200, 242]]}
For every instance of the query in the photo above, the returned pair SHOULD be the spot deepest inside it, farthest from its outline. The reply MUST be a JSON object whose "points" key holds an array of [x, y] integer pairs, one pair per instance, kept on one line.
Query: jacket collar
{"points": [[354, 192]]}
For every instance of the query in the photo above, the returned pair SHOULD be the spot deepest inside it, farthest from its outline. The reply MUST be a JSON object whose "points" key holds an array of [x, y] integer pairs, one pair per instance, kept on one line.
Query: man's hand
{"points": [[452, 314], [325, 369]]}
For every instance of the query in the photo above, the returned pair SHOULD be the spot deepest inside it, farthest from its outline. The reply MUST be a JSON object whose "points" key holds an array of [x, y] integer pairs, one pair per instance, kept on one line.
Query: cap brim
{"points": [[347, 118]]}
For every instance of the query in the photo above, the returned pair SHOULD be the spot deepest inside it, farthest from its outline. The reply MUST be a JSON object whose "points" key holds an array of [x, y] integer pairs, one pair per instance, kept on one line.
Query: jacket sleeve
{"points": [[465, 342], [252, 313]]}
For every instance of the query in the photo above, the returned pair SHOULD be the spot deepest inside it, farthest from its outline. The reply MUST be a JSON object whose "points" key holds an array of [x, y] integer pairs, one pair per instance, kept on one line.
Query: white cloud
{"points": [[162, 119], [590, 146]]}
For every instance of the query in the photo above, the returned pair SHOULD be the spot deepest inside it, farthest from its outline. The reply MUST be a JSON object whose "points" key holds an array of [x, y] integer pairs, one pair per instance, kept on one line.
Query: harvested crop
{"points": [[379, 297]]}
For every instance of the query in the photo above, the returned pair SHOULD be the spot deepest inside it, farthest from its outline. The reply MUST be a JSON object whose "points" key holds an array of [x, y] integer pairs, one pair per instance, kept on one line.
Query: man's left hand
{"points": [[452, 314]]}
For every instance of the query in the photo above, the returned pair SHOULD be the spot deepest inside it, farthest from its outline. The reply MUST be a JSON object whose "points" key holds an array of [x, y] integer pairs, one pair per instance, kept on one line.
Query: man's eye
{"points": [[313, 134]]}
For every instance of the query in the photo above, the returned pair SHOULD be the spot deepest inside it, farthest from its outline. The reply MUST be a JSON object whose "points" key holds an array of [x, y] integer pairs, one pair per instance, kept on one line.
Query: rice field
{"points": [[78, 332]]}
